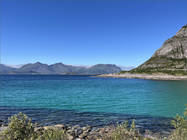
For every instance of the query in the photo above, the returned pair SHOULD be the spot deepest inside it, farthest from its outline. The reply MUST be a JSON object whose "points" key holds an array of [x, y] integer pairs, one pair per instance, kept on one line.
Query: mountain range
{"points": [[59, 68], [171, 58]]}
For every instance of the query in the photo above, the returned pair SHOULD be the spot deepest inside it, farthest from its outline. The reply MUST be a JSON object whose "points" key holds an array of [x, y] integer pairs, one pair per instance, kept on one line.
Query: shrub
{"points": [[51, 134], [180, 125], [122, 132], [19, 128]]}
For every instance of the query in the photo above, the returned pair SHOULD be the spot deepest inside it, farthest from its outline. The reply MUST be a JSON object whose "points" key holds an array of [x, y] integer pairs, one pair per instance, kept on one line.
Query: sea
{"points": [[90, 100]]}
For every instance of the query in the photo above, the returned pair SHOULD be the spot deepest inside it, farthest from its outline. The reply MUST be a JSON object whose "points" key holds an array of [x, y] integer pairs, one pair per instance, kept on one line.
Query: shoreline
{"points": [[144, 76], [87, 132]]}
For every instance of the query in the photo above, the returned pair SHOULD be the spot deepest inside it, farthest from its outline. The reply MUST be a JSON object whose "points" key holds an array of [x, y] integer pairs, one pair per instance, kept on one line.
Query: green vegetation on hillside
{"points": [[161, 65], [159, 71]]}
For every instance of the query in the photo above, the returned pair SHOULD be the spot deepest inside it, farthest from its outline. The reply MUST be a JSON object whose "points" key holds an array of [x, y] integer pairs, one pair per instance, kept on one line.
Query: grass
{"points": [[156, 71], [164, 65]]}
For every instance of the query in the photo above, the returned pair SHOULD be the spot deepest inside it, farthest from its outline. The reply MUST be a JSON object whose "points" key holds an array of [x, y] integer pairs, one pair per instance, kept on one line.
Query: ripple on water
{"points": [[95, 119]]}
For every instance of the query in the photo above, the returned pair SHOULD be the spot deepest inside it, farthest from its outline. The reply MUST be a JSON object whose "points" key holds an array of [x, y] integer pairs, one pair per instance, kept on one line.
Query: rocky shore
{"points": [[87, 132], [81, 133], [145, 76]]}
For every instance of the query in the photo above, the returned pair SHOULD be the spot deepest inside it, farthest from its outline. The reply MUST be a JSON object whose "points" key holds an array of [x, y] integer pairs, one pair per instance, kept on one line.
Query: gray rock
{"points": [[61, 126], [87, 128], [70, 137], [175, 47], [83, 135]]}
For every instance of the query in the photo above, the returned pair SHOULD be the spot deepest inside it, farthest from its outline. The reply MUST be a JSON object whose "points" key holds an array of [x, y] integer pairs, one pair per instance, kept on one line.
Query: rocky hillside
{"points": [[59, 68], [171, 58]]}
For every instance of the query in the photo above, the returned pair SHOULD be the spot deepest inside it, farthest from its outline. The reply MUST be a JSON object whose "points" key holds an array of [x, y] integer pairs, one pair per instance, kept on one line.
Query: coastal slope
{"points": [[171, 58], [168, 63]]}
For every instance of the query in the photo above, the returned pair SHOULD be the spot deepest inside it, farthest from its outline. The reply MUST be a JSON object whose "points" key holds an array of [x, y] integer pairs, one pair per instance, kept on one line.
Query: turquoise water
{"points": [[91, 94]]}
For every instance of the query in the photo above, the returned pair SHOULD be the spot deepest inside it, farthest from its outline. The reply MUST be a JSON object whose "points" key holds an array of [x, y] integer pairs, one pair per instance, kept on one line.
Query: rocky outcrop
{"points": [[170, 58]]}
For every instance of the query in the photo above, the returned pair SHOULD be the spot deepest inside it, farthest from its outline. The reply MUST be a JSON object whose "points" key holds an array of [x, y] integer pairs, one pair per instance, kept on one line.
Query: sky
{"points": [[87, 32]]}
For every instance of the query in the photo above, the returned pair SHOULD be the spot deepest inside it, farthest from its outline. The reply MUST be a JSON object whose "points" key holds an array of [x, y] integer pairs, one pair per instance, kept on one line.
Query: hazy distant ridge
{"points": [[60, 68]]}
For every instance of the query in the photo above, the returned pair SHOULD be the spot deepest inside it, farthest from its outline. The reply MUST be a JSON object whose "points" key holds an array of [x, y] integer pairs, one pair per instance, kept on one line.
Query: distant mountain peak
{"points": [[38, 62]]}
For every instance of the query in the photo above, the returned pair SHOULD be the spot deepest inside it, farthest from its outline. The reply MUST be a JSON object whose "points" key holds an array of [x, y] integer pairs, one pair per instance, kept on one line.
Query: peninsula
{"points": [[167, 63]]}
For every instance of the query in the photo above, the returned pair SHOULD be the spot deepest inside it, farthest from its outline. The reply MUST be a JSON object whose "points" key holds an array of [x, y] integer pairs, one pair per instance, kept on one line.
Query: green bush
{"points": [[21, 128], [180, 125], [122, 132], [50, 134]]}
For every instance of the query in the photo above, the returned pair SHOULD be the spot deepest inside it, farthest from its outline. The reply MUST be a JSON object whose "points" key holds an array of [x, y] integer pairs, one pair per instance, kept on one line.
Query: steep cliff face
{"points": [[171, 57], [175, 47]]}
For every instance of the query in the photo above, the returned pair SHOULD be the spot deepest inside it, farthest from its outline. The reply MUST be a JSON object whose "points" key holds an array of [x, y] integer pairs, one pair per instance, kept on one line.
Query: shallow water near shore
{"points": [[45, 117], [53, 99]]}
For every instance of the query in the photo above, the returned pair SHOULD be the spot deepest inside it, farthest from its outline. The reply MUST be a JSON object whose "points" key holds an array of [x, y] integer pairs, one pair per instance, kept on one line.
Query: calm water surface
{"points": [[78, 95]]}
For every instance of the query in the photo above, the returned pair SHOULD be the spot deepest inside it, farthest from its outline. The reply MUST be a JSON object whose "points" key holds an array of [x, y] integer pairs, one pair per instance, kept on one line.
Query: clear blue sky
{"points": [[123, 32]]}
